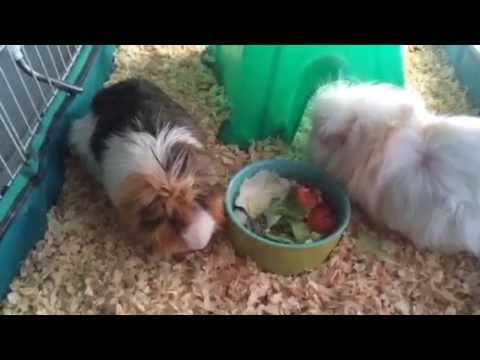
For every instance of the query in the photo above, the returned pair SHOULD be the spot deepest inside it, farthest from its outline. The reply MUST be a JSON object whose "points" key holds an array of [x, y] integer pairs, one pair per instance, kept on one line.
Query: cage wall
{"points": [[35, 115]]}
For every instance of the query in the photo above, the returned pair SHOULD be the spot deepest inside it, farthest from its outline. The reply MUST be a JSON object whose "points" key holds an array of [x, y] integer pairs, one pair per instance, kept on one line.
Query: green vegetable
{"points": [[283, 238], [288, 207], [277, 216], [301, 232], [286, 221]]}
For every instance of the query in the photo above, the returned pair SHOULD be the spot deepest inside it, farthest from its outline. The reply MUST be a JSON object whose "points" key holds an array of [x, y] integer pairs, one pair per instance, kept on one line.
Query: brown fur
{"points": [[154, 211], [216, 206], [200, 167]]}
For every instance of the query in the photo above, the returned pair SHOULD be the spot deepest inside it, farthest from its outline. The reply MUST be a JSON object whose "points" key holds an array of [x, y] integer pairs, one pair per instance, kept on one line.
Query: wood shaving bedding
{"points": [[82, 267]]}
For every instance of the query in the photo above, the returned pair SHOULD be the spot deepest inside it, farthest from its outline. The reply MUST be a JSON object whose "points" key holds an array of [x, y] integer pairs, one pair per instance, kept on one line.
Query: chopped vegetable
{"points": [[306, 197], [282, 210], [257, 193], [321, 220]]}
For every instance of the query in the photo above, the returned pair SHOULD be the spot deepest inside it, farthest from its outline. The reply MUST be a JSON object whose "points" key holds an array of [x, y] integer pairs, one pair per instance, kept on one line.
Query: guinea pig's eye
{"points": [[151, 224], [152, 215], [335, 141], [202, 200], [177, 221]]}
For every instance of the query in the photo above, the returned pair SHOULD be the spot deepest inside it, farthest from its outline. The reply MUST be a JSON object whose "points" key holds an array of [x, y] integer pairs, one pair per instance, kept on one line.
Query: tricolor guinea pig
{"points": [[148, 154]]}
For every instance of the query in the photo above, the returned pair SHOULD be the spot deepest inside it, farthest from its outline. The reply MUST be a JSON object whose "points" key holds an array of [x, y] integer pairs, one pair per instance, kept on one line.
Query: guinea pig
{"points": [[148, 154], [413, 172]]}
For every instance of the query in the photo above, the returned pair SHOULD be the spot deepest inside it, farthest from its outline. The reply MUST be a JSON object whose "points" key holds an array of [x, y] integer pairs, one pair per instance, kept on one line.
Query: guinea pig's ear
{"points": [[186, 160], [202, 168], [404, 112], [334, 137], [334, 141]]}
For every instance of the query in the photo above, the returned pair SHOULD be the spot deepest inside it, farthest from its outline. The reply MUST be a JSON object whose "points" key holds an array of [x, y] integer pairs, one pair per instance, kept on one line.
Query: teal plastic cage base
{"points": [[29, 222], [466, 62]]}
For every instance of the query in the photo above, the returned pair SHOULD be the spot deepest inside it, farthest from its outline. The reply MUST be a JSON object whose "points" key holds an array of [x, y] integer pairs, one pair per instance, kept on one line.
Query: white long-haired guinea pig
{"points": [[413, 172], [147, 152]]}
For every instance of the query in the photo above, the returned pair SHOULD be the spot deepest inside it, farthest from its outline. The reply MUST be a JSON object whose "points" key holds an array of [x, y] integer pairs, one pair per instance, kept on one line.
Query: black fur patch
{"points": [[180, 155], [202, 200], [137, 105]]}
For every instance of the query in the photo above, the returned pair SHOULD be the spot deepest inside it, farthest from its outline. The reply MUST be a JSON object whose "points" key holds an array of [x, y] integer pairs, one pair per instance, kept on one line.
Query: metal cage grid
{"points": [[30, 76]]}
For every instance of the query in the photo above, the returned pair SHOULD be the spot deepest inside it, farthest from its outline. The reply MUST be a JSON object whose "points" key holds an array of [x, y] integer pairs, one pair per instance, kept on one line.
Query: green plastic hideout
{"points": [[268, 86]]}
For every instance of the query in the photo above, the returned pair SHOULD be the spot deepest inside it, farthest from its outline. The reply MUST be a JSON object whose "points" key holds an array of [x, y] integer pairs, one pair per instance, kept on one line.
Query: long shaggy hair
{"points": [[413, 172], [148, 154]]}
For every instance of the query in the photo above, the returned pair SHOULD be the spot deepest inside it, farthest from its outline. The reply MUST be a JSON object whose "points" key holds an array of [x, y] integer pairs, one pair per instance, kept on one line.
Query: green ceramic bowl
{"points": [[287, 259]]}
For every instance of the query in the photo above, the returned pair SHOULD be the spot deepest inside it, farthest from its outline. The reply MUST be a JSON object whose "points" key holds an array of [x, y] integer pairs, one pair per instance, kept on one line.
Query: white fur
{"points": [[125, 154], [79, 139], [133, 153], [200, 231], [412, 171]]}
